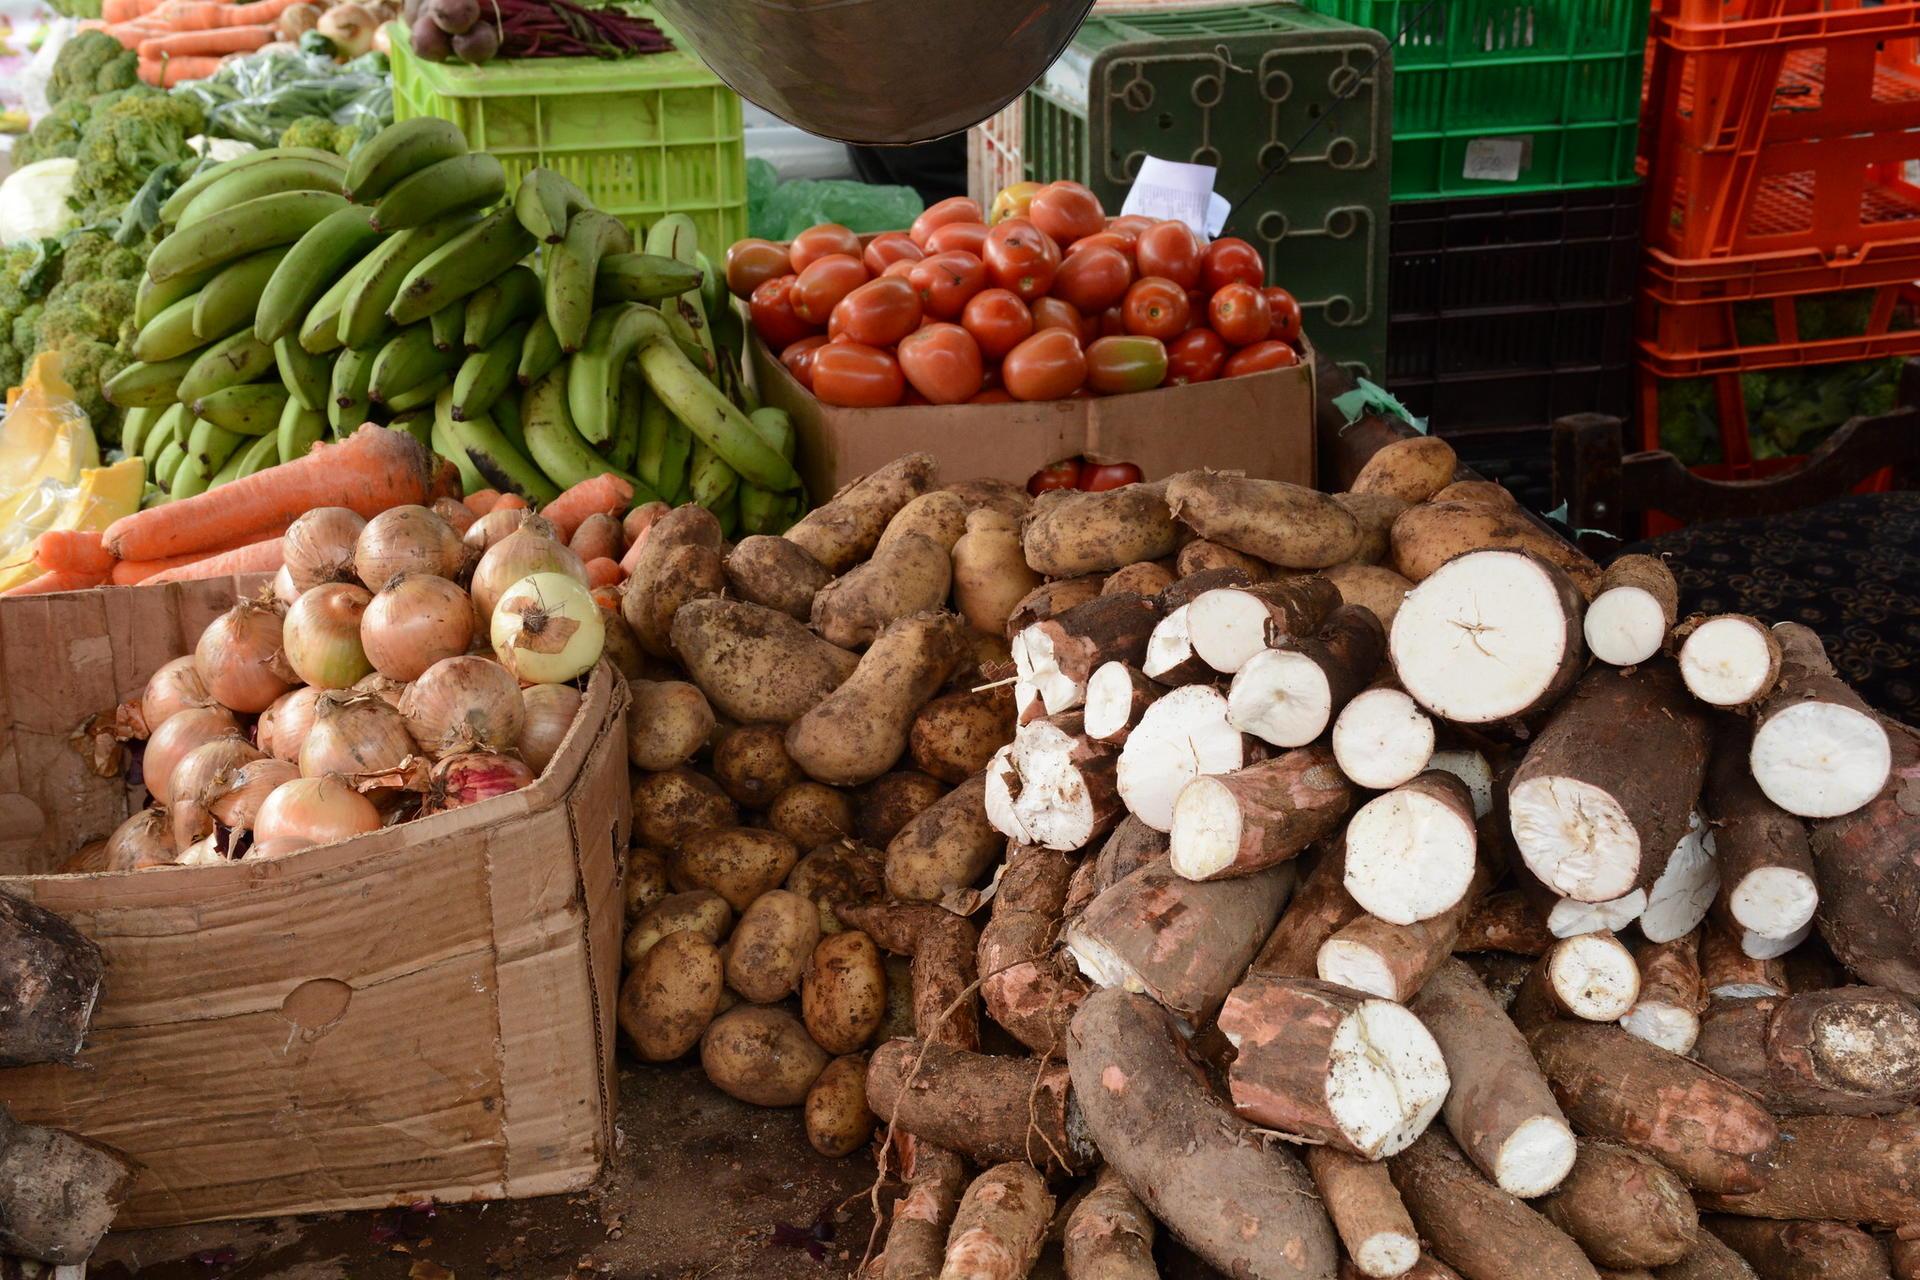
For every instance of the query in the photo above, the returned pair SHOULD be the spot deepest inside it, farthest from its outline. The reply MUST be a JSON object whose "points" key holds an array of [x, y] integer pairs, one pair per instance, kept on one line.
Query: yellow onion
{"points": [[388, 691], [172, 742], [204, 852], [140, 842], [408, 539], [236, 801], [471, 777], [519, 555], [353, 733], [464, 704], [239, 659], [201, 774], [174, 687], [283, 726], [314, 811], [501, 521], [550, 712], [319, 547], [284, 592], [547, 629], [322, 635], [455, 513], [89, 859], [415, 620]]}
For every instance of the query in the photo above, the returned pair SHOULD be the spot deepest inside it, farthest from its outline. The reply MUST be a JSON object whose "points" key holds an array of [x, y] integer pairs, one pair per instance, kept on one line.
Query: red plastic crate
{"points": [[1678, 340]]}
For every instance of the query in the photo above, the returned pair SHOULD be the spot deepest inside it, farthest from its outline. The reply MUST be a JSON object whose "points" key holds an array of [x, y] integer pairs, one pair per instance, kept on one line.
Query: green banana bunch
{"points": [[461, 265], [240, 230], [236, 186], [495, 306], [363, 313], [571, 266], [304, 375], [228, 301], [406, 360], [546, 202], [299, 430], [399, 151], [168, 334], [641, 277], [711, 417], [313, 266], [184, 195], [474, 180], [252, 409], [227, 363], [556, 445], [593, 374], [486, 374]]}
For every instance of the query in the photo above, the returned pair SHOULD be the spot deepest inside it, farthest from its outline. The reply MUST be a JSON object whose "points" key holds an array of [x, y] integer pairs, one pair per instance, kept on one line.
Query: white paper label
{"points": [[1496, 159], [1178, 192]]}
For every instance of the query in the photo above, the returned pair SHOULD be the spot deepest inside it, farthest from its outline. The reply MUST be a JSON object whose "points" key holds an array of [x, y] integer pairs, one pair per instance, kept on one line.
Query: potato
{"points": [[621, 648], [843, 993], [671, 996], [751, 764], [636, 523], [838, 1121], [1069, 532], [889, 803], [700, 911], [845, 531], [771, 946], [1286, 525], [1494, 495], [669, 805], [907, 576], [688, 526], [945, 848], [1374, 586], [761, 1054], [738, 863], [775, 574], [957, 733], [810, 814], [1414, 469], [940, 517], [755, 664], [1427, 536], [1375, 513], [686, 573], [1050, 599], [856, 732], [990, 573], [1148, 578], [1008, 497], [1200, 555], [645, 882], [667, 723], [839, 871]]}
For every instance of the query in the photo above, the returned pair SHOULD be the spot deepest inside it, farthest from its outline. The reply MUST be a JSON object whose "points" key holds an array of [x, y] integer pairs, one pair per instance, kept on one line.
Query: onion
{"points": [[174, 687], [202, 774], [315, 811], [90, 858], [547, 629], [408, 540], [140, 842], [520, 554], [283, 726], [350, 27], [455, 513], [473, 776], [239, 658], [353, 733], [319, 547], [415, 621], [501, 521], [283, 589], [389, 691], [179, 736], [236, 803], [464, 704], [550, 712], [322, 635], [202, 853]]}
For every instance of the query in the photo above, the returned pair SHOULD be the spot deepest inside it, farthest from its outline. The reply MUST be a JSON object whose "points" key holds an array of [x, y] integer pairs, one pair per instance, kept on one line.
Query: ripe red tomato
{"points": [[1093, 279], [1103, 239], [817, 242], [1113, 323], [879, 313], [1156, 307], [1129, 226], [1064, 474], [942, 362], [952, 209], [1169, 249], [856, 376], [1012, 202], [1197, 355], [798, 357], [1098, 477], [970, 236], [1285, 309], [1239, 314], [992, 395], [945, 282], [1057, 313], [751, 263], [1115, 365], [902, 267], [888, 248], [1047, 366], [1066, 211], [1229, 261], [774, 318], [824, 283], [1260, 357], [998, 321], [1021, 257]]}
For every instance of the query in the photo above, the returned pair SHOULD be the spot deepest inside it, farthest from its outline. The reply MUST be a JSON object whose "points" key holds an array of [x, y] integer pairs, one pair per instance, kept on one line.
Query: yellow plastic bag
{"points": [[46, 443]]}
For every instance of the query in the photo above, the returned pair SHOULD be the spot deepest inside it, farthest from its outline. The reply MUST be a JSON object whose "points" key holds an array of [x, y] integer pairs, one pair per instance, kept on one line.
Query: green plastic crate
{"points": [[1497, 97], [1234, 88], [642, 136]]}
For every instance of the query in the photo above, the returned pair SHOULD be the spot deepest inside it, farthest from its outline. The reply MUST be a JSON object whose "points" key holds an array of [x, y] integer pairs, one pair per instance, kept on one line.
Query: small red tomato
{"points": [[856, 376], [751, 263], [952, 209], [774, 318], [1116, 365], [1066, 211], [998, 321], [992, 395], [1021, 257], [1197, 355], [824, 283], [1239, 314], [1129, 226], [1057, 313], [901, 268], [968, 236], [942, 363], [1260, 357], [1103, 239], [1231, 261], [1093, 279], [1285, 309], [1156, 307], [798, 357], [888, 248], [1098, 477], [912, 397], [879, 313], [1064, 474], [1113, 322], [1048, 366], [1169, 249], [946, 280], [818, 241]]}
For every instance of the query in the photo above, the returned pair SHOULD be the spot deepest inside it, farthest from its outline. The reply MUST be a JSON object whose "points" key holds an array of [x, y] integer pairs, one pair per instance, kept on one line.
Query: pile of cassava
{"points": [[1361, 884]]}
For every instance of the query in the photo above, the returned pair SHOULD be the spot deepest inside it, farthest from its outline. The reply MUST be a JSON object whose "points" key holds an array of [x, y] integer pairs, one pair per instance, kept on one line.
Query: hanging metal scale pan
{"points": [[881, 72]]}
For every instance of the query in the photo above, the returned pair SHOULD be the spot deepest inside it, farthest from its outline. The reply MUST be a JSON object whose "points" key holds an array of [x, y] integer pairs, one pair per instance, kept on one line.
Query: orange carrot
{"points": [[204, 15], [481, 501], [260, 557], [130, 34], [511, 501], [603, 571], [214, 40], [371, 470], [72, 550], [605, 492], [128, 572], [165, 73], [597, 536], [58, 580]]}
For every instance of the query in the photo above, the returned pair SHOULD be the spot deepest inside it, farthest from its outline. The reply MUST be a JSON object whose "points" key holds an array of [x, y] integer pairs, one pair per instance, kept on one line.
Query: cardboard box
{"points": [[1261, 424], [422, 1012]]}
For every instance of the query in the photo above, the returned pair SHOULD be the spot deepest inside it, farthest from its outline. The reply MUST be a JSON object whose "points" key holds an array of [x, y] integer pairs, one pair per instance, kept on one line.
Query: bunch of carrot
{"points": [[180, 40]]}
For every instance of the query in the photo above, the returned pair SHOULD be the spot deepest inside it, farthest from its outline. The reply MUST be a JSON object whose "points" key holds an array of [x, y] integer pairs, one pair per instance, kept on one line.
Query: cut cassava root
{"points": [[1287, 696], [1667, 1011], [1237, 823], [1412, 853], [1382, 738], [985, 1107], [1629, 619], [1729, 660], [1592, 977], [1817, 751], [1367, 1212]]}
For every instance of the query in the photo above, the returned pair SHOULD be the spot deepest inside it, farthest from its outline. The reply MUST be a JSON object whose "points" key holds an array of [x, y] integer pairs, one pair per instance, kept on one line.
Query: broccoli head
{"points": [[139, 131], [309, 131], [57, 133], [91, 63], [18, 342]]}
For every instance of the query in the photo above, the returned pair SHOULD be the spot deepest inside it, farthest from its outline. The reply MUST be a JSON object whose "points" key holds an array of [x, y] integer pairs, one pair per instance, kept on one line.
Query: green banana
{"points": [[728, 514], [191, 477], [623, 447], [210, 445], [400, 149], [449, 325], [679, 452], [190, 189], [252, 409], [712, 285], [285, 173], [760, 511], [230, 469], [495, 306], [151, 297], [166, 429], [656, 424], [443, 443], [320, 331], [239, 230], [485, 374], [484, 251], [696, 402], [539, 352], [317, 261], [498, 461], [363, 314], [506, 416], [229, 300], [167, 465], [406, 360], [257, 456], [136, 422], [546, 202], [553, 443], [571, 266], [352, 374], [641, 277], [675, 236], [158, 383], [299, 430], [304, 375], [227, 363], [593, 375], [421, 393], [471, 181], [168, 334], [712, 479], [776, 428], [417, 423]]}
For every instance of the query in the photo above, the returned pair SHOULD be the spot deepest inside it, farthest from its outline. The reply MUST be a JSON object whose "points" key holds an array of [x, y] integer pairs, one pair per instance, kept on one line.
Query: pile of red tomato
{"points": [[1049, 298]]}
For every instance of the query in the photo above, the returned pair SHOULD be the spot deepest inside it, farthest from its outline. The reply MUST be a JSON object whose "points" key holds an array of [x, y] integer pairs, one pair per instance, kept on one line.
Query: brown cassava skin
{"points": [[1410, 953], [1474, 1226], [1903, 1251], [810, 814], [688, 526], [1050, 599], [1070, 532], [1375, 513], [1709, 1260], [1109, 1234], [757, 665], [838, 1121], [1802, 1250], [836, 871], [1359, 1196], [1370, 586], [1750, 831], [955, 735], [1147, 578], [947, 846], [891, 801], [940, 517], [1286, 525], [1430, 534], [917, 1238], [685, 574], [751, 764], [644, 881], [1723, 965], [896, 927], [738, 863], [1846, 1051], [1200, 555], [907, 576], [988, 1108], [1487, 491], [58, 1192], [1008, 497], [776, 574], [762, 1055], [671, 996], [1507, 921], [671, 805], [843, 993], [1027, 988], [1617, 1087], [1868, 864], [946, 1002], [844, 531], [1320, 908], [1844, 1168], [667, 723], [700, 911], [990, 573], [856, 732], [1000, 1225], [772, 945], [1413, 469], [1285, 804], [1625, 1209]]}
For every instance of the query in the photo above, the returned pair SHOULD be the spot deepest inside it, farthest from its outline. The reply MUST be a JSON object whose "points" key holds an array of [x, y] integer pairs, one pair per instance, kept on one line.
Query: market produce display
{"points": [[468, 31]]}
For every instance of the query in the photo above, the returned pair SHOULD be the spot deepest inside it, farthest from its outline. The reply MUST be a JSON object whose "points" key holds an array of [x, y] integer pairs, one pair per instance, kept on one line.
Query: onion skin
{"points": [[172, 742], [547, 629], [455, 513], [414, 622], [140, 842], [319, 547], [175, 687], [239, 659], [237, 802], [204, 852], [514, 557], [322, 635], [409, 539], [283, 589], [474, 776], [464, 704], [283, 726], [354, 733], [314, 810], [551, 709], [501, 521], [388, 691], [201, 774]]}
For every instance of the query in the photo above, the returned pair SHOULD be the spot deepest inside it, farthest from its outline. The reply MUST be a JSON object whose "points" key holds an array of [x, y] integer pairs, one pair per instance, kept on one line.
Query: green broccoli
{"points": [[17, 344], [92, 63], [57, 133], [140, 131], [309, 131]]}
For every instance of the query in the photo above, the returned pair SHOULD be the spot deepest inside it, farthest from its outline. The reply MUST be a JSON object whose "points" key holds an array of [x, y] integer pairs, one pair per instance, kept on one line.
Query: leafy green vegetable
{"points": [[259, 97]]}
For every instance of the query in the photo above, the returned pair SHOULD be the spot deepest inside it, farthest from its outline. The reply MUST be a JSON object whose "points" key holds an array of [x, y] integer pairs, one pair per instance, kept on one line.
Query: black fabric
{"points": [[936, 169], [1850, 569]]}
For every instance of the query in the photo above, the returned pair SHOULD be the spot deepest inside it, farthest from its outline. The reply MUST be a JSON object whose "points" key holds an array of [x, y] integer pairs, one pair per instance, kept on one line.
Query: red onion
{"points": [[476, 775], [239, 659], [464, 704]]}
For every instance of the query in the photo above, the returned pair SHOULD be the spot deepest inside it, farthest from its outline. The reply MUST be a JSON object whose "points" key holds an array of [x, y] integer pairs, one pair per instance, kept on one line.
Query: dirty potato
{"points": [[843, 993], [671, 996], [762, 1055], [771, 946], [738, 863]]}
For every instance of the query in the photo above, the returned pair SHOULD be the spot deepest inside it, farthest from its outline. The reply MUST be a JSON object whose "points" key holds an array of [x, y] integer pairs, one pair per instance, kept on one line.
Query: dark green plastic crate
{"points": [[1235, 88], [1562, 77]]}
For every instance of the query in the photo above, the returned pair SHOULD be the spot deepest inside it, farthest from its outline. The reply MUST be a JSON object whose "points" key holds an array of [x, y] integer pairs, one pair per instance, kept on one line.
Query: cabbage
{"points": [[33, 201]]}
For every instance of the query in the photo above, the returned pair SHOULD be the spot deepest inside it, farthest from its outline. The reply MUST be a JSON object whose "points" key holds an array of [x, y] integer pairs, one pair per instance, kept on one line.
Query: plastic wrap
{"points": [[255, 98], [782, 210]]}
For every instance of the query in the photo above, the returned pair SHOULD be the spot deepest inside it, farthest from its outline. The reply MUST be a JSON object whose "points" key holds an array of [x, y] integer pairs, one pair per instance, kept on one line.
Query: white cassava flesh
{"points": [[1820, 759], [1594, 977], [1680, 897], [1227, 626], [1038, 667], [1594, 846], [1170, 647], [1410, 855], [1471, 768], [1668, 1025], [1625, 626], [1571, 917], [1184, 735], [1382, 738], [1116, 699], [1052, 787], [1487, 637], [1536, 1158], [1761, 946], [1774, 902], [1729, 661], [1281, 697]]}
